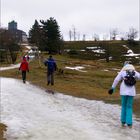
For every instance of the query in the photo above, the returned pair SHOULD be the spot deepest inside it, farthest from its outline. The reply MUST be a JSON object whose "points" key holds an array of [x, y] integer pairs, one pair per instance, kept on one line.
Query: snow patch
{"points": [[78, 68], [9, 67]]}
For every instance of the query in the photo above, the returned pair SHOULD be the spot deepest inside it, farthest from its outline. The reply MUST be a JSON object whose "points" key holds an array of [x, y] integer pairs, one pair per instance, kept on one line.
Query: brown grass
{"points": [[2, 130], [92, 85]]}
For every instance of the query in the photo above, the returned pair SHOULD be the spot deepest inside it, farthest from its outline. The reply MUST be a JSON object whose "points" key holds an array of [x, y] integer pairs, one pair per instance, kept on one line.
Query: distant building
{"points": [[24, 37], [12, 25], [19, 35]]}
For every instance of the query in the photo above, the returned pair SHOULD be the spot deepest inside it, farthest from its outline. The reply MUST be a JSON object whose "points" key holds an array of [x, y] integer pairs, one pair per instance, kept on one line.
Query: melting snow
{"points": [[78, 68], [131, 53], [33, 114], [10, 67]]}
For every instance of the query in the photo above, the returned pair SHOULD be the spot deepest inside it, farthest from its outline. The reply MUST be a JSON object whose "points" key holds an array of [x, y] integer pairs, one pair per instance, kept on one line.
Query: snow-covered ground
{"points": [[33, 114], [10, 67]]}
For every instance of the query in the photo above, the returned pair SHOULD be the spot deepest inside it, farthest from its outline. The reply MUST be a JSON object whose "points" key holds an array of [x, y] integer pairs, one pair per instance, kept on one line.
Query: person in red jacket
{"points": [[24, 68]]}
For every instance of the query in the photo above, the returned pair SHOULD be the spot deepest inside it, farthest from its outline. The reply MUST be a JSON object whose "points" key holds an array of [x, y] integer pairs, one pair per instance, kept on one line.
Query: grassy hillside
{"points": [[114, 49], [83, 44]]}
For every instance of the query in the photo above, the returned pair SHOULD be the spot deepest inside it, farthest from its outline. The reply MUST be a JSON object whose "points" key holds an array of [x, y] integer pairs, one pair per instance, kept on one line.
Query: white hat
{"points": [[127, 62], [128, 67]]}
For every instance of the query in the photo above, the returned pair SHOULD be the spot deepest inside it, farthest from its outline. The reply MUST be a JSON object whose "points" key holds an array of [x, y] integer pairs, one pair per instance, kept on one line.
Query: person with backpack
{"points": [[24, 68], [128, 75], [51, 68]]}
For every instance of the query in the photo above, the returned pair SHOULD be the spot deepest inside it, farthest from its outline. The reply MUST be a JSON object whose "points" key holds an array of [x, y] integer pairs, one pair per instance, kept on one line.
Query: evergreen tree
{"points": [[51, 31], [35, 34]]}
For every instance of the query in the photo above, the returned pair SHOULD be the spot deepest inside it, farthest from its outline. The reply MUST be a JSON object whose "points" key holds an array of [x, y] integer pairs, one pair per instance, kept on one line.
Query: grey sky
{"points": [[87, 16]]}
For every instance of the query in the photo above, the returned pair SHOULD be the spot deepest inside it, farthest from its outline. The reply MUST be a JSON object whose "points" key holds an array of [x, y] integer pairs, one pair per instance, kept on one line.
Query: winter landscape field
{"points": [[30, 112]]}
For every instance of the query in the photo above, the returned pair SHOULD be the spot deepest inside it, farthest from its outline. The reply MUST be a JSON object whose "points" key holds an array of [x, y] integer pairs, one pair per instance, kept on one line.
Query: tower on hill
{"points": [[12, 25]]}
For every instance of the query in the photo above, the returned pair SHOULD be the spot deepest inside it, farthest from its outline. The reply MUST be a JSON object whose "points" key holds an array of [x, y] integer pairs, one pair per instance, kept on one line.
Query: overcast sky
{"points": [[87, 16]]}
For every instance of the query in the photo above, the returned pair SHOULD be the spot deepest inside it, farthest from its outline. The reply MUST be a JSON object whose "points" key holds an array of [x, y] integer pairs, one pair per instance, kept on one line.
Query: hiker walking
{"points": [[51, 68], [24, 68], [128, 76]]}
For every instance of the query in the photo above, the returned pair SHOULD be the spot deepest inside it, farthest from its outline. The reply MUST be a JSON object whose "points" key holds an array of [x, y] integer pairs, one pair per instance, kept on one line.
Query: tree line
{"points": [[46, 36], [113, 34], [43, 34]]}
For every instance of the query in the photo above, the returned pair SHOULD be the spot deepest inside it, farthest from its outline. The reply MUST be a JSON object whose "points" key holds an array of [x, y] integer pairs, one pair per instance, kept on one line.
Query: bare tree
{"points": [[78, 36], [84, 37], [122, 36], [105, 36], [113, 34], [70, 34], [74, 32], [132, 34], [9, 44], [96, 37]]}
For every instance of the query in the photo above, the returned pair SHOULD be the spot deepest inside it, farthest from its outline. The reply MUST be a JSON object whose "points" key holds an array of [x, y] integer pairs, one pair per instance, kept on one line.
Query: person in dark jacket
{"points": [[24, 68], [51, 68]]}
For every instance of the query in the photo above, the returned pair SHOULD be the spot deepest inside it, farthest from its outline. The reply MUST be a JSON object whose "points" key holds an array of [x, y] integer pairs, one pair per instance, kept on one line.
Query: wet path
{"points": [[33, 114]]}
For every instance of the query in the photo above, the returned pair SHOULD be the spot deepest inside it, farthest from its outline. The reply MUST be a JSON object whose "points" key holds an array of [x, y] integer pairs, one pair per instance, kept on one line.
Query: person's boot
{"points": [[123, 124], [129, 125], [48, 83]]}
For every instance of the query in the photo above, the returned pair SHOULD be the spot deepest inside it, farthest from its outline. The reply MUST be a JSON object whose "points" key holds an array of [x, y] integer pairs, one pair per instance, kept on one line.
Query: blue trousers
{"points": [[127, 109]]}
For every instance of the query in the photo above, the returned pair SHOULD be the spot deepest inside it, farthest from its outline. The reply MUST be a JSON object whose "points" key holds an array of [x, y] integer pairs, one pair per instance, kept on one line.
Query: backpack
{"points": [[129, 79]]}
